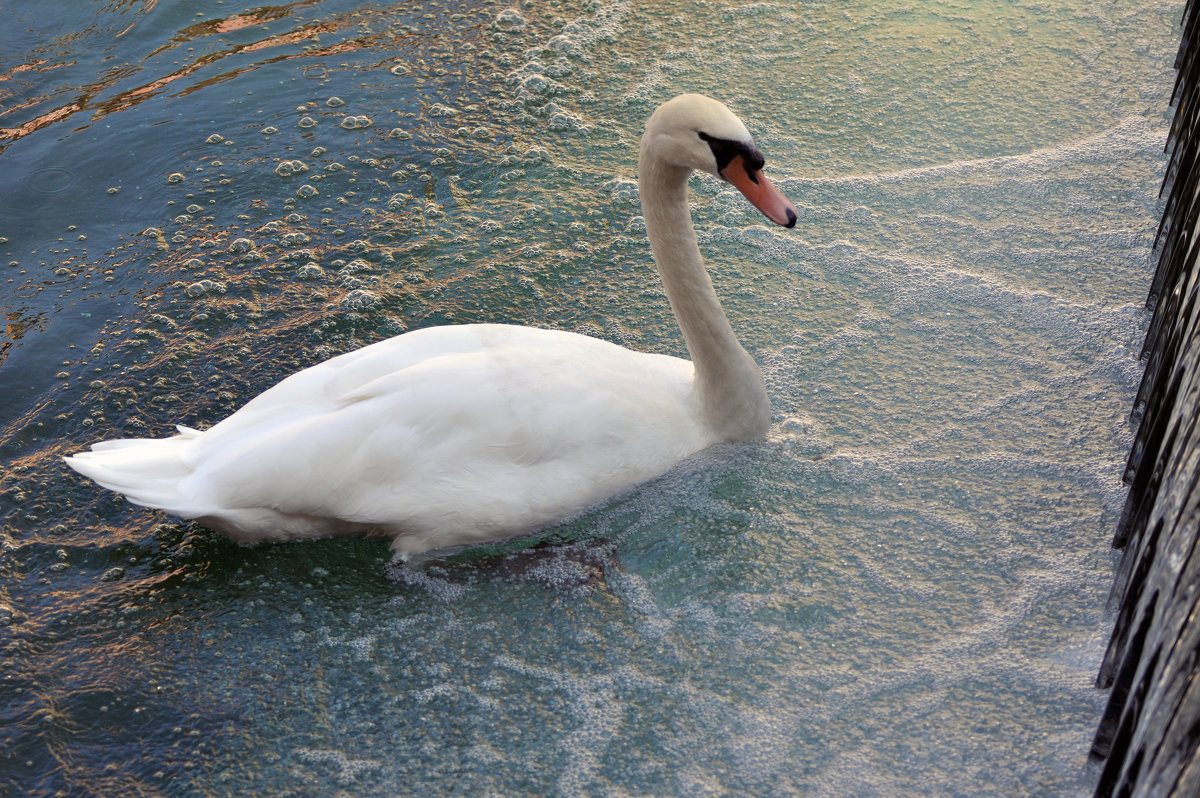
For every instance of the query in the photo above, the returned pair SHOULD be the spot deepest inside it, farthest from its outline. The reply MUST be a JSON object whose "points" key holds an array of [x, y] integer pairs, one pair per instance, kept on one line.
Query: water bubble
{"points": [[356, 122], [439, 110], [335, 102], [360, 298], [536, 155], [268, 130], [300, 254], [294, 239], [294, 218], [566, 43], [307, 122], [399, 69], [310, 271], [565, 121], [318, 152], [202, 287], [559, 68], [241, 245], [194, 209], [400, 134], [537, 86], [113, 574], [289, 168], [307, 191], [175, 177], [509, 20], [113, 190], [215, 138]]}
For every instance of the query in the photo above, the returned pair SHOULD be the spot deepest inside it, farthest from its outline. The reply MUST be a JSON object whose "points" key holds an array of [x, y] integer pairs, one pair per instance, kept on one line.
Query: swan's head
{"points": [[697, 132]]}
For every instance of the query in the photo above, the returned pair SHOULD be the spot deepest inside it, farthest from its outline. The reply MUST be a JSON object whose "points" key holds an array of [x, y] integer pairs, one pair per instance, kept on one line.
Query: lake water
{"points": [[901, 592]]}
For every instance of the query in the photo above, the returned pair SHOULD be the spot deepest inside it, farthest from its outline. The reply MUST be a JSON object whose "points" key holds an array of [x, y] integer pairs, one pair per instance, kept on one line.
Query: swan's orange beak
{"points": [[762, 195]]}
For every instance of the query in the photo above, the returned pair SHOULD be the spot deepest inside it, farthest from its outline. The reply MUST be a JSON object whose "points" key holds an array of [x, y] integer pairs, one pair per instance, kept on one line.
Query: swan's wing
{"points": [[491, 428]]}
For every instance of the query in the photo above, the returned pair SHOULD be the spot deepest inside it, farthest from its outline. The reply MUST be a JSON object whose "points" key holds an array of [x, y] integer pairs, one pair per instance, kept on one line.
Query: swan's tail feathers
{"points": [[148, 471]]}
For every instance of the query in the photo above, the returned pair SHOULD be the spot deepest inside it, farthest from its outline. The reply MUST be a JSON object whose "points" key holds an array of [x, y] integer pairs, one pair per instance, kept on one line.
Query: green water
{"points": [[901, 592]]}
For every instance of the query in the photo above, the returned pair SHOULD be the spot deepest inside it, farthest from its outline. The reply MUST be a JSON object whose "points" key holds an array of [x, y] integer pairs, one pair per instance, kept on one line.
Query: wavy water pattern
{"points": [[900, 592]]}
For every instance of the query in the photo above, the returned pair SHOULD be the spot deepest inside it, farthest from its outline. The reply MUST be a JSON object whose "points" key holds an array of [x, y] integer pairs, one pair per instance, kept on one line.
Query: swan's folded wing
{"points": [[508, 436]]}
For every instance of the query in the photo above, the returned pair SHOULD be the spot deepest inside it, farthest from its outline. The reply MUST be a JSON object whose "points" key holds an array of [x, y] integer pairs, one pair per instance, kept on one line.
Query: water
{"points": [[901, 592]]}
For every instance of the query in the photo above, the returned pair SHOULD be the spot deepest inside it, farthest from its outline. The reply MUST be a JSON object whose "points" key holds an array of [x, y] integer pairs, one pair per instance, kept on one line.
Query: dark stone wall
{"points": [[1149, 736]]}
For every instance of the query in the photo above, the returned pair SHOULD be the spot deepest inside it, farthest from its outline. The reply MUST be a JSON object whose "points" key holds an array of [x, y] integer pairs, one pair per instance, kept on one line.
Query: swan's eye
{"points": [[725, 150]]}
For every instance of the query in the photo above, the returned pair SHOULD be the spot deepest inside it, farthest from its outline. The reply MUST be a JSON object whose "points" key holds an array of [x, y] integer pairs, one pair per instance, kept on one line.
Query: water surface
{"points": [[900, 592]]}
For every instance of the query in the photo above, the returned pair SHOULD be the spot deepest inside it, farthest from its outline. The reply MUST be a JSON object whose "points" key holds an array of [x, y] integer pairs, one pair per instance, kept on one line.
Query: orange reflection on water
{"points": [[16, 324], [131, 97], [38, 122], [34, 65], [87, 96]]}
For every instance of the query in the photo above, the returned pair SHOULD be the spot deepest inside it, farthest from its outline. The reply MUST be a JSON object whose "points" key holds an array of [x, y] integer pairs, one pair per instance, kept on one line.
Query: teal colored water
{"points": [[901, 592]]}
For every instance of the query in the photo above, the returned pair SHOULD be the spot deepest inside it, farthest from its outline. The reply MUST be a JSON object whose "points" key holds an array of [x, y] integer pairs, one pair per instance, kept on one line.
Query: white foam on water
{"points": [[350, 770], [598, 715], [1133, 135], [442, 589]]}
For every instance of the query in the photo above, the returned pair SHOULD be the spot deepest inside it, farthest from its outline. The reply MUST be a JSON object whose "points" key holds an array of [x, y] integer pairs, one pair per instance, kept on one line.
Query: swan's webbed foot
{"points": [[571, 568]]}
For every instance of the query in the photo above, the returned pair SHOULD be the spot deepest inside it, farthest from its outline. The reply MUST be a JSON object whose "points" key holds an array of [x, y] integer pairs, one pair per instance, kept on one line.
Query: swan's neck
{"points": [[729, 387]]}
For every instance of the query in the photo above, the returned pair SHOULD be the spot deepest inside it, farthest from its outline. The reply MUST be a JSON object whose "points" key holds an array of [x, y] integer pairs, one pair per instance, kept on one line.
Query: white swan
{"points": [[463, 434]]}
